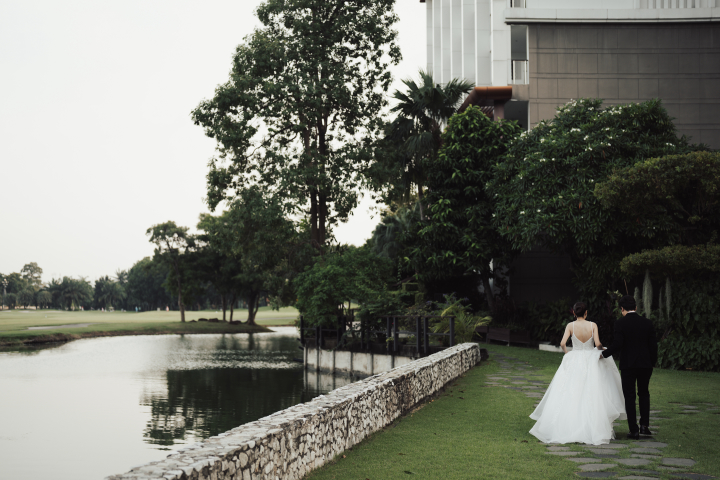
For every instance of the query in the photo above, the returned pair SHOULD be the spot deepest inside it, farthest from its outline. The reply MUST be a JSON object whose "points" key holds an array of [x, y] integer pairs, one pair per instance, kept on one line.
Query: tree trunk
{"points": [[314, 219], [420, 203], [223, 301], [322, 218], [252, 307], [232, 306], [489, 295]]}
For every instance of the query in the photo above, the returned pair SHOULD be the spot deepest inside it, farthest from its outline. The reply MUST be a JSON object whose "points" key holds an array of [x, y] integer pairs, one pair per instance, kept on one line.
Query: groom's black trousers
{"points": [[629, 377]]}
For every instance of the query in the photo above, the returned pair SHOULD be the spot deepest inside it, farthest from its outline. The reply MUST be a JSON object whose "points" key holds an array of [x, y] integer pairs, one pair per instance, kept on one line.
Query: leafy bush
{"points": [[547, 322], [673, 260], [697, 353], [465, 320], [675, 197]]}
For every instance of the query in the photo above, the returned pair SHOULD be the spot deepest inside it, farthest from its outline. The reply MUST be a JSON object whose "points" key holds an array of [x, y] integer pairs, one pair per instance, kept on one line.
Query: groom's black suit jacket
{"points": [[635, 341]]}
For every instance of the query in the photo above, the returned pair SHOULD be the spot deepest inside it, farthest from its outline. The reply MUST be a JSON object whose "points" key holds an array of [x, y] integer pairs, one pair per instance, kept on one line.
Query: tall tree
{"points": [[172, 246], [33, 274], [256, 234], [302, 104], [145, 285], [459, 238], [416, 132]]}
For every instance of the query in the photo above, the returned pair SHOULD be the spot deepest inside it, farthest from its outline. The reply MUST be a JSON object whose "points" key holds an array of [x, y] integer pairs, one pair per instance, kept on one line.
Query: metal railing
{"points": [[517, 3], [390, 335]]}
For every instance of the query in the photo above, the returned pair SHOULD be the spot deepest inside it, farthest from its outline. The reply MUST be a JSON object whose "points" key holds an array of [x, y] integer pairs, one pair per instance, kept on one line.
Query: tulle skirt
{"points": [[582, 401]]}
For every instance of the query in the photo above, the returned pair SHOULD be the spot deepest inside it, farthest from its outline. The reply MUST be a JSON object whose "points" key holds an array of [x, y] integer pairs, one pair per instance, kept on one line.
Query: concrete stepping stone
{"points": [[669, 469], [533, 394], [679, 462], [601, 451], [558, 449], [633, 462], [689, 407], [647, 457], [513, 388], [536, 381], [655, 411], [518, 382], [613, 446], [651, 445], [596, 474], [497, 378], [563, 454], [596, 467], [645, 450], [637, 477], [694, 476], [688, 412], [585, 460], [529, 386]]}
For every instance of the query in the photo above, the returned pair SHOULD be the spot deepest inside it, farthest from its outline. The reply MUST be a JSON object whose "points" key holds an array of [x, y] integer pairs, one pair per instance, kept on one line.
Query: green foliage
{"points": [[698, 353], [253, 248], [691, 327], [145, 288], [26, 297], [674, 260], [547, 322], [459, 237], [350, 274], [11, 300], [414, 136], [71, 293], [33, 274], [545, 186], [303, 105], [108, 293], [44, 299], [675, 196], [173, 247], [465, 321]]}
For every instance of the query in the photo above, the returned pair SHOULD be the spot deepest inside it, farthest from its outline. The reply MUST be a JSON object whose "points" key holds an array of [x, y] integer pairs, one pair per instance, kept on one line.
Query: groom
{"points": [[635, 341]]}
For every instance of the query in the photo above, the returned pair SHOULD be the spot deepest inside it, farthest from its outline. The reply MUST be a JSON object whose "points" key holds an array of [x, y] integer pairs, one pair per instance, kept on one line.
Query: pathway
{"points": [[621, 459]]}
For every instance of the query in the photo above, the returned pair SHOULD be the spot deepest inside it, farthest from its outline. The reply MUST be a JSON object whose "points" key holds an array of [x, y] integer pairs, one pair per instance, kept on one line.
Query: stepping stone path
{"points": [[624, 460]]}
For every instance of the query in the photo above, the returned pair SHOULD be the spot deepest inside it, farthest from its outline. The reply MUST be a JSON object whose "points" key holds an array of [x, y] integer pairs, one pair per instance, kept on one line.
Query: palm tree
{"points": [[422, 111]]}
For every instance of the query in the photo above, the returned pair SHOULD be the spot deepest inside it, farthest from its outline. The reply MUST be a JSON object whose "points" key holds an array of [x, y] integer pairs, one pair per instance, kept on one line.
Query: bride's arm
{"points": [[596, 336], [565, 337]]}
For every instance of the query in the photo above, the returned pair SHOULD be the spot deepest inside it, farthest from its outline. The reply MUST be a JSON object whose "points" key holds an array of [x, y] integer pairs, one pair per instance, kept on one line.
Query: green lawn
{"points": [[14, 323], [476, 431]]}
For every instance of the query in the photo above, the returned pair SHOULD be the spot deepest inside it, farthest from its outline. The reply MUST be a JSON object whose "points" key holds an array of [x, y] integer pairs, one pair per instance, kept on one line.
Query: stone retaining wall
{"points": [[290, 443]]}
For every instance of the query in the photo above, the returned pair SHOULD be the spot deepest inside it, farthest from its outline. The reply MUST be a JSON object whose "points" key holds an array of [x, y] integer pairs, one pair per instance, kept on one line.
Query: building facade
{"points": [[552, 51]]}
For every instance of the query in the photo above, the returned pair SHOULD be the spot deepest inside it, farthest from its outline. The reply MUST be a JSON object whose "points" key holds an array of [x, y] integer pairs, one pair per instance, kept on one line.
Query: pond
{"points": [[96, 407]]}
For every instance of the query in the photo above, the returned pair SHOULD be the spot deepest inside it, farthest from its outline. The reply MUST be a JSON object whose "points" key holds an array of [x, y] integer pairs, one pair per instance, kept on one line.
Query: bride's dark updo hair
{"points": [[579, 308]]}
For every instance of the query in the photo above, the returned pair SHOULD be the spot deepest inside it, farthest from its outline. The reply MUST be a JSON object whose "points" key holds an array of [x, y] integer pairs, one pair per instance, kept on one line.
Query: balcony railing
{"points": [[654, 4], [517, 3]]}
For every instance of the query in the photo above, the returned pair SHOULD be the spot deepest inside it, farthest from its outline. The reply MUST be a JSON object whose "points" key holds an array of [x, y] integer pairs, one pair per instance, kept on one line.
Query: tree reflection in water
{"points": [[222, 386]]}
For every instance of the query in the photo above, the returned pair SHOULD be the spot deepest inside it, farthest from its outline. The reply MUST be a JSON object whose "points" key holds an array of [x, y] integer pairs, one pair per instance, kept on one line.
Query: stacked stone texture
{"points": [[290, 443]]}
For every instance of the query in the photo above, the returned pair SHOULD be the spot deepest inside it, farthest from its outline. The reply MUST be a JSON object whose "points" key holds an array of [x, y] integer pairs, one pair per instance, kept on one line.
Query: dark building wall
{"points": [[541, 276], [679, 63]]}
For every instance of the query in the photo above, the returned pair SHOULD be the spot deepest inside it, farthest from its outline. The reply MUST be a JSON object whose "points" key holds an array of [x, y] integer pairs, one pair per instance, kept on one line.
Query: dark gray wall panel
{"points": [[625, 63]]}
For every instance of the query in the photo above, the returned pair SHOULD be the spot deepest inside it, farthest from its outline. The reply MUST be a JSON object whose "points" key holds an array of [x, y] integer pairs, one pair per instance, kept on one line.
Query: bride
{"points": [[585, 396]]}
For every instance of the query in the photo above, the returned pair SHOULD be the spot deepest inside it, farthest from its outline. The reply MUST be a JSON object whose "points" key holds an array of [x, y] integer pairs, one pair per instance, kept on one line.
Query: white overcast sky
{"points": [[96, 141]]}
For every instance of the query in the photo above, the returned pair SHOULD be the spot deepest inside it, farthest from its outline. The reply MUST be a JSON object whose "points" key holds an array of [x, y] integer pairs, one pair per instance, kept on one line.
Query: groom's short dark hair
{"points": [[627, 302]]}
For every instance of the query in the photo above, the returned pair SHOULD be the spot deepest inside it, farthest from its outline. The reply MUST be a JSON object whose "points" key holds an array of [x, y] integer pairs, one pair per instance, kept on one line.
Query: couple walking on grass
{"points": [[587, 393]]}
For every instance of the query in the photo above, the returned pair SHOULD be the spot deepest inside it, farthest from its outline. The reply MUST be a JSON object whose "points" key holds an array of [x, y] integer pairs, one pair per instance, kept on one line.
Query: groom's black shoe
{"points": [[645, 430], [633, 436]]}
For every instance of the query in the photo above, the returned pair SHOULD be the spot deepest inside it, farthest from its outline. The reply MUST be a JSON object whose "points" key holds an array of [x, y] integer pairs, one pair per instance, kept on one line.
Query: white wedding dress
{"points": [[583, 399]]}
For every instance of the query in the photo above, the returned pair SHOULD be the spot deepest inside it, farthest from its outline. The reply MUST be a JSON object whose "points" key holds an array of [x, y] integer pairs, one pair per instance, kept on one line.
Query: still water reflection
{"points": [[96, 407]]}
